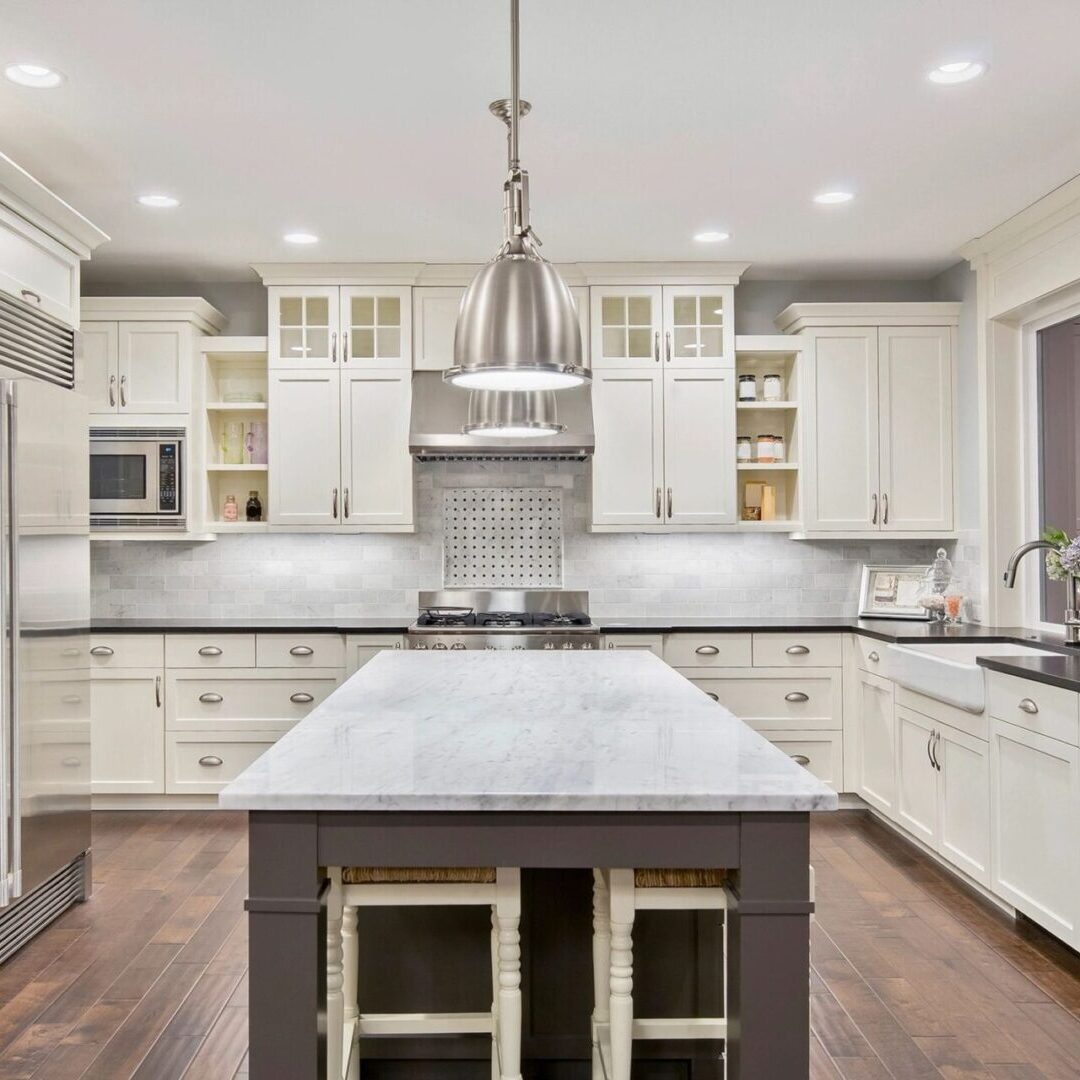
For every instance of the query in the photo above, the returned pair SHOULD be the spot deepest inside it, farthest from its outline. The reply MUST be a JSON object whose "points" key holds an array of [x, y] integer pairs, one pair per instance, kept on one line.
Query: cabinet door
{"points": [[916, 776], [626, 326], [303, 326], [98, 374], [155, 362], [435, 313], [376, 326], [127, 732], [628, 465], [653, 643], [305, 466], [699, 446], [841, 439], [1034, 807], [580, 293], [699, 330], [376, 468], [964, 802], [819, 752], [360, 648], [875, 744], [915, 381]]}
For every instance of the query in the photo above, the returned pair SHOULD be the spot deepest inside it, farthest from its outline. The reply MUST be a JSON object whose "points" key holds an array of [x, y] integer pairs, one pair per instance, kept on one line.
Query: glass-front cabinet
{"points": [[642, 326], [320, 326]]}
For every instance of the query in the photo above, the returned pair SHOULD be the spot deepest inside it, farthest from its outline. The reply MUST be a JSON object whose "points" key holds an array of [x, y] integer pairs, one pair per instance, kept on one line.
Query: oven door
{"points": [[124, 477]]}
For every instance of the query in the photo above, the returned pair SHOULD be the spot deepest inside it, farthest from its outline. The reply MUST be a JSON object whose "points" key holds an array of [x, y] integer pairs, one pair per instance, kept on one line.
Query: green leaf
{"points": [[1055, 536]]}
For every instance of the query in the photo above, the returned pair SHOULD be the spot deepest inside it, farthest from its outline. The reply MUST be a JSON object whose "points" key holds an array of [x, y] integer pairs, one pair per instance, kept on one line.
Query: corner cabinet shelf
{"points": [[235, 391], [760, 355]]}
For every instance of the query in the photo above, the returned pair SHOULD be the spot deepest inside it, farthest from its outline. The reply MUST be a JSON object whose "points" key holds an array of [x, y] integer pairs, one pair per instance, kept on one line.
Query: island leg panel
{"points": [[287, 948], [769, 951]]}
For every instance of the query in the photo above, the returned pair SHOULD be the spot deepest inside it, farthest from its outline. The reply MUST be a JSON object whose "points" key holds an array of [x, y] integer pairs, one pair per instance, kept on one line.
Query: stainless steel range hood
{"points": [[440, 411]]}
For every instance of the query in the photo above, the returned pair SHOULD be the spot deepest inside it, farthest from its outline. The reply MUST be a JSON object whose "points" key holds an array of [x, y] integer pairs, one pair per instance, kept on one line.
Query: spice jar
{"points": [[772, 387], [778, 447], [765, 451], [253, 509], [747, 388], [744, 448], [229, 511]]}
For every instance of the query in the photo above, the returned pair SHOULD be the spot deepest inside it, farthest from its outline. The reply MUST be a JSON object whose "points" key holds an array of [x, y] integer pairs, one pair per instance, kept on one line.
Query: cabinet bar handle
{"points": [[873, 656], [112, 390], [301, 650], [929, 752], [1028, 706], [209, 650], [873, 519], [346, 504], [707, 650], [300, 698], [933, 748], [333, 347], [31, 297], [656, 346], [210, 698], [669, 502], [344, 346], [796, 696], [123, 391], [211, 761], [101, 650], [659, 495], [797, 650], [667, 346], [157, 690], [715, 697], [333, 504], [885, 504], [800, 759]]}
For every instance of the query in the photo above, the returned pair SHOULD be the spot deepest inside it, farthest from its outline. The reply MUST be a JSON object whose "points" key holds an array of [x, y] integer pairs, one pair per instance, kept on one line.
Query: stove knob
{"points": [[439, 645], [587, 645], [516, 647], [458, 645], [549, 645], [568, 644], [490, 648], [420, 645]]}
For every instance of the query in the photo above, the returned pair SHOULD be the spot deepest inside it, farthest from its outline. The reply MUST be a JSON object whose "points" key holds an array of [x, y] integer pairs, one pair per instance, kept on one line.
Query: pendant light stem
{"points": [[515, 82]]}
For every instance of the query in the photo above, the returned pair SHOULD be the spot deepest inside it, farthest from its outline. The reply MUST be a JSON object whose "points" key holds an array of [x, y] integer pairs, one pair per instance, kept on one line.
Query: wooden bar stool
{"points": [[354, 887], [617, 896]]}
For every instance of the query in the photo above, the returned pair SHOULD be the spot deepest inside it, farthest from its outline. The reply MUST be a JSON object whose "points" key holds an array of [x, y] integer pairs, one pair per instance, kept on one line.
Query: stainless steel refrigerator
{"points": [[44, 643]]}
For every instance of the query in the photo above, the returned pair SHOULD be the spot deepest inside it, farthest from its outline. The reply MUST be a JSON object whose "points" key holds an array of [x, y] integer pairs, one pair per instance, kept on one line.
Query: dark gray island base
{"points": [[768, 936]]}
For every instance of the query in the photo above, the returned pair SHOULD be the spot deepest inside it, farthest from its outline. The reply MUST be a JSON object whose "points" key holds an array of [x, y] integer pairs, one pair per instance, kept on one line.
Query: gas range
{"points": [[503, 619]]}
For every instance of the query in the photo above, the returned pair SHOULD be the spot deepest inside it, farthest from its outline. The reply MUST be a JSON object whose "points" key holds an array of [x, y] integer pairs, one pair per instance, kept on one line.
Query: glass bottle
{"points": [[253, 509], [229, 512]]}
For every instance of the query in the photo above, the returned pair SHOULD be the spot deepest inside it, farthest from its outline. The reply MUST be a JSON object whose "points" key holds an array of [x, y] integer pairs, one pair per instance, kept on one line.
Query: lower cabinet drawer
{"points": [[784, 699], [707, 650], [821, 752], [210, 650], [797, 650], [243, 701], [202, 764], [1038, 707], [126, 650], [300, 650]]}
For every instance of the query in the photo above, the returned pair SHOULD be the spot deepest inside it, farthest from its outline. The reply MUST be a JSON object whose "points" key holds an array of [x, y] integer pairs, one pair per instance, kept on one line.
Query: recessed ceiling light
{"points": [[159, 201], [36, 75], [832, 198], [711, 237], [301, 238], [957, 72]]}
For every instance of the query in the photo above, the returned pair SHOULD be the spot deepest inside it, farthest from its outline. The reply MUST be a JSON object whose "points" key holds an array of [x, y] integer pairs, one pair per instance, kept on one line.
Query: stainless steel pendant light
{"points": [[517, 328], [502, 414]]}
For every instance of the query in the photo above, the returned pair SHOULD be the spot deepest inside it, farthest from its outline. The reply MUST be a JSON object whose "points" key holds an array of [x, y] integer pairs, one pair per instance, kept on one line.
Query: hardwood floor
{"points": [[913, 977]]}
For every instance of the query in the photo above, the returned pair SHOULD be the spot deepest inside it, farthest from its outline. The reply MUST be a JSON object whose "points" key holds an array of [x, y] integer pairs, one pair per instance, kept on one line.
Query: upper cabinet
{"points": [[878, 419], [139, 353], [641, 326]]}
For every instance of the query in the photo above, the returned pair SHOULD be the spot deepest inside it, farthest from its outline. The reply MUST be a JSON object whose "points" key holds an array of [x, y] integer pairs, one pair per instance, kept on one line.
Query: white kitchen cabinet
{"points": [[376, 467], [653, 643], [820, 752], [873, 741], [38, 270], [360, 648], [435, 313], [916, 776], [305, 445], [626, 325], [376, 326], [97, 373], [1034, 807], [699, 326], [154, 364], [303, 326], [127, 731], [200, 764]]}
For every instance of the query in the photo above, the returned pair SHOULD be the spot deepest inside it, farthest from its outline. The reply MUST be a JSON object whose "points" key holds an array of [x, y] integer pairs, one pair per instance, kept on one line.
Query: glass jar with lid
{"points": [[747, 388], [744, 449], [765, 449], [772, 387]]}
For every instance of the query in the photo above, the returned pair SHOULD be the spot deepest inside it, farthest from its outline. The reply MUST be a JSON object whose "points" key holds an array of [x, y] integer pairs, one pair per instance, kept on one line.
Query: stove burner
{"points": [[504, 619], [446, 617], [565, 618]]}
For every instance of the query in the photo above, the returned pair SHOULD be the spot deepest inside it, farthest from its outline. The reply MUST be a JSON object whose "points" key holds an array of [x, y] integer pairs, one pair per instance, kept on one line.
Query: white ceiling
{"points": [[366, 122]]}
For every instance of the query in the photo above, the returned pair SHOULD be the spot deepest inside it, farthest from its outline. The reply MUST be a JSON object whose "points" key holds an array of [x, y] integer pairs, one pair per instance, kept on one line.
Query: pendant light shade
{"points": [[517, 328], [502, 414]]}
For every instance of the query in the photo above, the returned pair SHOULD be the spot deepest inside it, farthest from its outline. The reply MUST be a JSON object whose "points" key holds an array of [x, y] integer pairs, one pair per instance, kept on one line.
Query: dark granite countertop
{"points": [[1055, 669], [387, 625]]}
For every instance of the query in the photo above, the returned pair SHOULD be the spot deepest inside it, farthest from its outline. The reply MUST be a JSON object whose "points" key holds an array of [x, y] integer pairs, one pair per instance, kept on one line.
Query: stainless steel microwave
{"points": [[137, 478]]}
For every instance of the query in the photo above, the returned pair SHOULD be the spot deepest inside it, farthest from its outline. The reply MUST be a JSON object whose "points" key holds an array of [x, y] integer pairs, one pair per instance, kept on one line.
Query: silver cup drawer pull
{"points": [[873, 656], [210, 698], [301, 698], [1028, 706], [302, 650], [797, 650], [71, 762], [101, 650], [210, 650], [715, 697], [211, 761], [707, 650], [800, 759], [796, 697]]}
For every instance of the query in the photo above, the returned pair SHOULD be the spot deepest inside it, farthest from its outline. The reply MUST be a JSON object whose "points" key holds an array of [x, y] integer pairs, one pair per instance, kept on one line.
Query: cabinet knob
{"points": [[707, 650], [211, 761], [101, 650], [800, 759], [796, 696], [873, 656], [302, 650], [1028, 706], [715, 697], [797, 650], [209, 650], [210, 698], [301, 698]]}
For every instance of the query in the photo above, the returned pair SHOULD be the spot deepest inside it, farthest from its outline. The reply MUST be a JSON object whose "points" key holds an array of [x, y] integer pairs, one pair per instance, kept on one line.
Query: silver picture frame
{"points": [[891, 592]]}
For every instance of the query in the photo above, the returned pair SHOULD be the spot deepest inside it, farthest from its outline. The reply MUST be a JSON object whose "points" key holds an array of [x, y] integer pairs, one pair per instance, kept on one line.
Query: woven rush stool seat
{"points": [[418, 875], [680, 879]]}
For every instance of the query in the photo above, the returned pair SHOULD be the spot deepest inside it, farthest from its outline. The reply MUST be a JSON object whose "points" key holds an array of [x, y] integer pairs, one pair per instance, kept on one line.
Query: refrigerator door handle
{"points": [[14, 670], [9, 804]]}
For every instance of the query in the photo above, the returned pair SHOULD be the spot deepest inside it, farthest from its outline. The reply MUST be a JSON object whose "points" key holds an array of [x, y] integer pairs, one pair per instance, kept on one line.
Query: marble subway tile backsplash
{"points": [[367, 575]]}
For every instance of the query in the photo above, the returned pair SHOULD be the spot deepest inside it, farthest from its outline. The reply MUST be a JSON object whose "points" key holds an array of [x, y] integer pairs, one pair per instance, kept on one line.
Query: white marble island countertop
{"points": [[529, 730]]}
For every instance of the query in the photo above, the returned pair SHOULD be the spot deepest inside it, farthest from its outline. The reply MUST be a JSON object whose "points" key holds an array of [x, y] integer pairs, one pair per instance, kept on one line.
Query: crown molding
{"points": [[193, 309], [797, 317]]}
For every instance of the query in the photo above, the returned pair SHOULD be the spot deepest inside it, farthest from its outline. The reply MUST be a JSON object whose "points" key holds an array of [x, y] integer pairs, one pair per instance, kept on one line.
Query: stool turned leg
{"points": [[621, 1008], [349, 973], [495, 1070], [601, 946], [335, 1004], [508, 914]]}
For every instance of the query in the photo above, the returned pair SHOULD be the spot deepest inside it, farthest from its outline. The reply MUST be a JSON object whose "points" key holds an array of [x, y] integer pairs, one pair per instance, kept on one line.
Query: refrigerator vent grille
{"points": [[36, 345], [37, 909]]}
